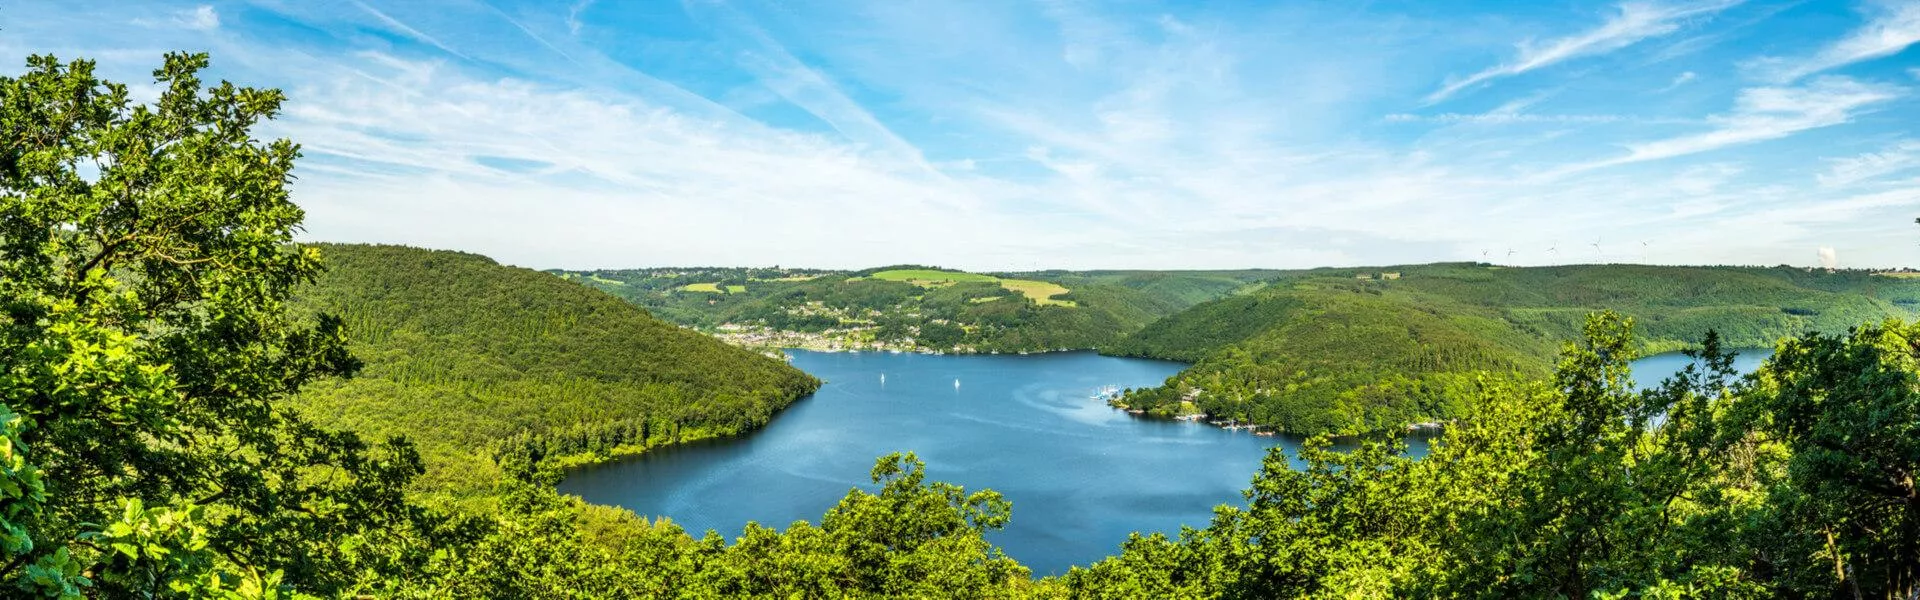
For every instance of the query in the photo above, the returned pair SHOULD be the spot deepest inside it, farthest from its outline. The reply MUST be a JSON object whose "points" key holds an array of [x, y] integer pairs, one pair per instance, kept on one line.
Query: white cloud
{"points": [[1848, 171], [1766, 113], [1635, 21], [200, 18], [573, 15], [1894, 27], [1679, 80], [1508, 118], [396, 143]]}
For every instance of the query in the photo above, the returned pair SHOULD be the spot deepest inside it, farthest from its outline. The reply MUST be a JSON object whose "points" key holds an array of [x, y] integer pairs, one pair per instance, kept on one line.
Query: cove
{"points": [[1081, 475]]}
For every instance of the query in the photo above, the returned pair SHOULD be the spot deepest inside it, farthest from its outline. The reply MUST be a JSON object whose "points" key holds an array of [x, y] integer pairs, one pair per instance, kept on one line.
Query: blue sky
{"points": [[1016, 135]]}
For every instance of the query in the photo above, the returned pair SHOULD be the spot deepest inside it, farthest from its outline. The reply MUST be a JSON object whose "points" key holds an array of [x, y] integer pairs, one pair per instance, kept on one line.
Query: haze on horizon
{"points": [[1022, 135]]}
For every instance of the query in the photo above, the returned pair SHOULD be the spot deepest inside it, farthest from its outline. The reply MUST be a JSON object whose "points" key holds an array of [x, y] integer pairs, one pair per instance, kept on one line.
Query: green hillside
{"points": [[1354, 350], [463, 354], [911, 307]]}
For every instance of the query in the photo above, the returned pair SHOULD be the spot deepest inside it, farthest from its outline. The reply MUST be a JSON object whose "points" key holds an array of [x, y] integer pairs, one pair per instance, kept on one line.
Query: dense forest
{"points": [[465, 356], [911, 307], [165, 343], [1351, 351]]}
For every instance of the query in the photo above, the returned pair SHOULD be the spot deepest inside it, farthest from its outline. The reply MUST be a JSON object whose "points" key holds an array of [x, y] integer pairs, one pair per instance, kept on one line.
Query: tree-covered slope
{"points": [[1352, 350], [463, 354], [911, 307]]}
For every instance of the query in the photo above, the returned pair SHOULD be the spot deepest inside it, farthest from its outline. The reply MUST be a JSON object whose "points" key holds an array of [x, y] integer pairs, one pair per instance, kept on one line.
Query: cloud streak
{"points": [[1894, 26], [1765, 113], [199, 18], [1634, 21], [408, 30], [1904, 156]]}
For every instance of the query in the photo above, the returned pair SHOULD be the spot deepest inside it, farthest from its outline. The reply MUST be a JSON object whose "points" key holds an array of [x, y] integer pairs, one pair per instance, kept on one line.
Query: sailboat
{"points": [[956, 383]]}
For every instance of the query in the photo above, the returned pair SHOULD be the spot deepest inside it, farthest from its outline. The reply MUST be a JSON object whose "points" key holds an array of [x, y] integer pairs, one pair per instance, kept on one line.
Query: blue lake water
{"points": [[1649, 371], [1081, 475]]}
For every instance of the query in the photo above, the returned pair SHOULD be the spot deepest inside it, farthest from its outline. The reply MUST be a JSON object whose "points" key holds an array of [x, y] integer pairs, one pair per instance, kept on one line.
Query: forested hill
{"points": [[463, 355], [912, 307], [1352, 350]]}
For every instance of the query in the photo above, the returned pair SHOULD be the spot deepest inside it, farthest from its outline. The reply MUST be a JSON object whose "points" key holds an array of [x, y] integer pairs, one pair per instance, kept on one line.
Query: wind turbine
{"points": [[1509, 255], [1596, 250], [1643, 252]]}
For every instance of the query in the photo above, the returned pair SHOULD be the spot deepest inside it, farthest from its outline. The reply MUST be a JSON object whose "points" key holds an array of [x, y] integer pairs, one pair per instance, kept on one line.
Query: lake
{"points": [[1081, 475]]}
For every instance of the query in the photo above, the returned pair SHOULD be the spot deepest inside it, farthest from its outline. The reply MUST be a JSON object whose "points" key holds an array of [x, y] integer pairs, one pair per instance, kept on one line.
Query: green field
{"points": [[704, 288], [1040, 292], [930, 277], [736, 289]]}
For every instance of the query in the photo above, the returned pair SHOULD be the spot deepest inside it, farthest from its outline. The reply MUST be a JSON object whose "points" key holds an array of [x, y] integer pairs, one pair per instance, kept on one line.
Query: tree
{"points": [[145, 349], [1848, 408]]}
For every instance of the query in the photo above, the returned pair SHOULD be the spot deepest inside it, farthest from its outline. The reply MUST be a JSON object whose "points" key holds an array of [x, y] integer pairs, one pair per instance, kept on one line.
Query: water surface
{"points": [[1650, 370], [1081, 475]]}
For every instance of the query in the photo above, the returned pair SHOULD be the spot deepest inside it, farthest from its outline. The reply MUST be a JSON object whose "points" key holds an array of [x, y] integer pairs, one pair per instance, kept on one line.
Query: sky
{"points": [[1015, 135]]}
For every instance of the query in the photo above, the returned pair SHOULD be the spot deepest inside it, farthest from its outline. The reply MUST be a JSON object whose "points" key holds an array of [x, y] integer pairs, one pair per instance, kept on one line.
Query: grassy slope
{"points": [[462, 352], [1304, 354]]}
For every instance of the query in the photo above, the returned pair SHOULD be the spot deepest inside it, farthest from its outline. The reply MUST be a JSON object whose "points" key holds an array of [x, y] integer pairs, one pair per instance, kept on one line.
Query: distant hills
{"points": [[464, 355], [1357, 350], [914, 307], [1336, 350]]}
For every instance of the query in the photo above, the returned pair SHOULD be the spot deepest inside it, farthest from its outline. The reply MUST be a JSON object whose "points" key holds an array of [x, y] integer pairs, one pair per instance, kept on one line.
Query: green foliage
{"points": [[145, 348], [1849, 408], [1787, 484]]}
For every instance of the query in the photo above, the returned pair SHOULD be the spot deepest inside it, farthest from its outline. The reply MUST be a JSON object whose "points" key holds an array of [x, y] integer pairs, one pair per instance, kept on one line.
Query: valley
{"points": [[201, 397]]}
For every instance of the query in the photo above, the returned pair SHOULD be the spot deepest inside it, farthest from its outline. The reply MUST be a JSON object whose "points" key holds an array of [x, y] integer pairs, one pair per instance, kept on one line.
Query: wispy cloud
{"points": [[805, 86], [408, 30], [1634, 22], [1678, 80], [406, 139], [199, 18], [1064, 134], [1904, 156], [1511, 118], [1765, 113], [1893, 26], [573, 15]]}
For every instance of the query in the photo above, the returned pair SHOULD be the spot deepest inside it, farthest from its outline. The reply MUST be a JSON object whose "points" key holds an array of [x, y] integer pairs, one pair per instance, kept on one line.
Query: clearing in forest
{"points": [[1040, 292]]}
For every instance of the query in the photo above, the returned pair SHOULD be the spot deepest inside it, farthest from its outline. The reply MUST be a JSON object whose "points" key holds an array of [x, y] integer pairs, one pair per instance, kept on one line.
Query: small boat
{"points": [[956, 384]]}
